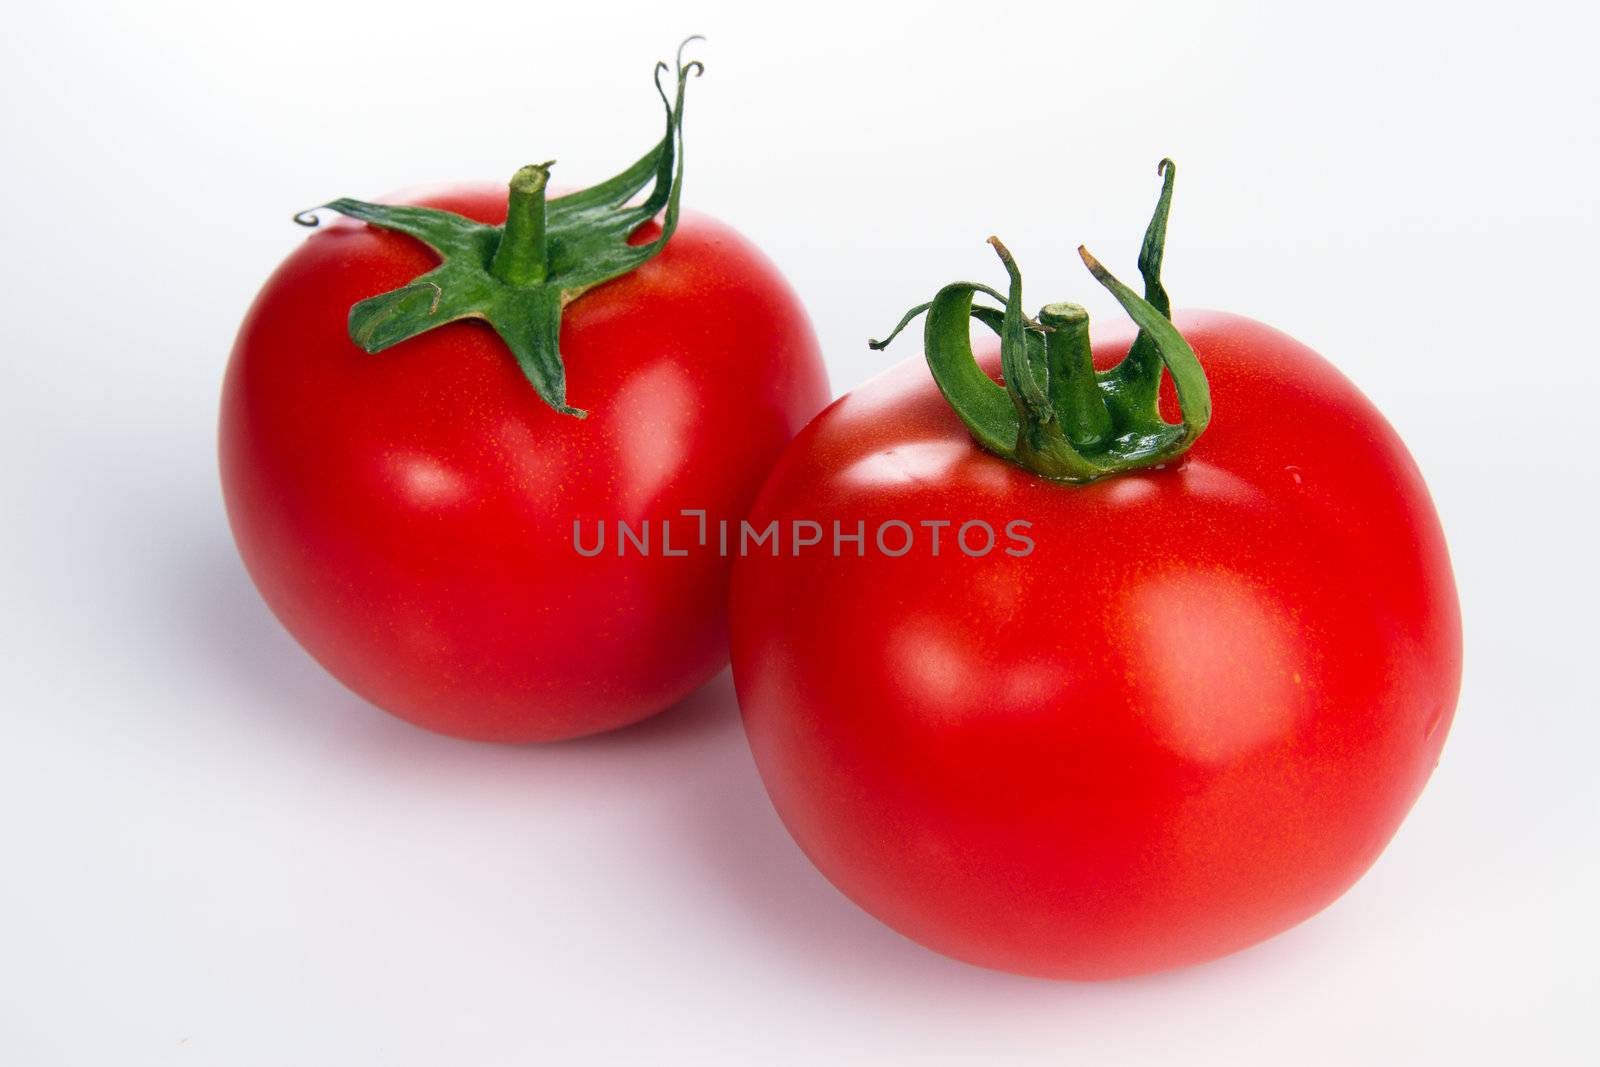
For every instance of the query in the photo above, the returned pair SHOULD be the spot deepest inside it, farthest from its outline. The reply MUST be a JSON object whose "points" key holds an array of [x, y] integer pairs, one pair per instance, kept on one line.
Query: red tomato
{"points": [[409, 515], [1189, 718]]}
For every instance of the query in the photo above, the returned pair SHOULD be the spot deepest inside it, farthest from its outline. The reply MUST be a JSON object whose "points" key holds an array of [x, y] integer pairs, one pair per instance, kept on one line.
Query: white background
{"points": [[210, 853]]}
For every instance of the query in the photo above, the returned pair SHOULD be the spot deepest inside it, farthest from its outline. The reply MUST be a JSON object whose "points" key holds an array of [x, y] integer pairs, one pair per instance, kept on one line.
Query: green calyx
{"points": [[520, 276], [1056, 415]]}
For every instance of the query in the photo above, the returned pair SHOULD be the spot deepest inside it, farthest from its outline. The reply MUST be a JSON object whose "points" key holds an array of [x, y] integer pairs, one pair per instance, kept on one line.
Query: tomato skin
{"points": [[409, 515], [1192, 717]]}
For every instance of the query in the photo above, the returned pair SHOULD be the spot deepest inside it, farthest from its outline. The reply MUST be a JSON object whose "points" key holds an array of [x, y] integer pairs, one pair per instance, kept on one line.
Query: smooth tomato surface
{"points": [[409, 515], [1191, 717]]}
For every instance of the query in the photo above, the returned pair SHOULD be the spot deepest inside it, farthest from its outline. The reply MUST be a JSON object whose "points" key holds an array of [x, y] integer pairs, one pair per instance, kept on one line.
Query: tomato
{"points": [[409, 516], [1170, 714]]}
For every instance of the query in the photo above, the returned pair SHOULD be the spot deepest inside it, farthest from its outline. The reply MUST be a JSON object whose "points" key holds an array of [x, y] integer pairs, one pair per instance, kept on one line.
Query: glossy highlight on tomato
{"points": [[409, 515], [1190, 718]]}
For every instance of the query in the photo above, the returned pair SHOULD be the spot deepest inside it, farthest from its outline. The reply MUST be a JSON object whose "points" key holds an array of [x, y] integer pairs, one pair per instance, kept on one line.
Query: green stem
{"points": [[521, 259], [1078, 399]]}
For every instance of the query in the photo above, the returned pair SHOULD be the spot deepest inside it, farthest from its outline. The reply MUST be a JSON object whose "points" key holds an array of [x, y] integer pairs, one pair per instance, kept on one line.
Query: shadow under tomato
{"points": [[218, 614]]}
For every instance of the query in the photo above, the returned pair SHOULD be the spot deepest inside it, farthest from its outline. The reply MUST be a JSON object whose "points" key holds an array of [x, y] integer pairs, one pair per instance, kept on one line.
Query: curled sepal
{"points": [[518, 277], [984, 406], [1154, 247], [1137, 383], [448, 234], [1160, 439], [978, 312]]}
